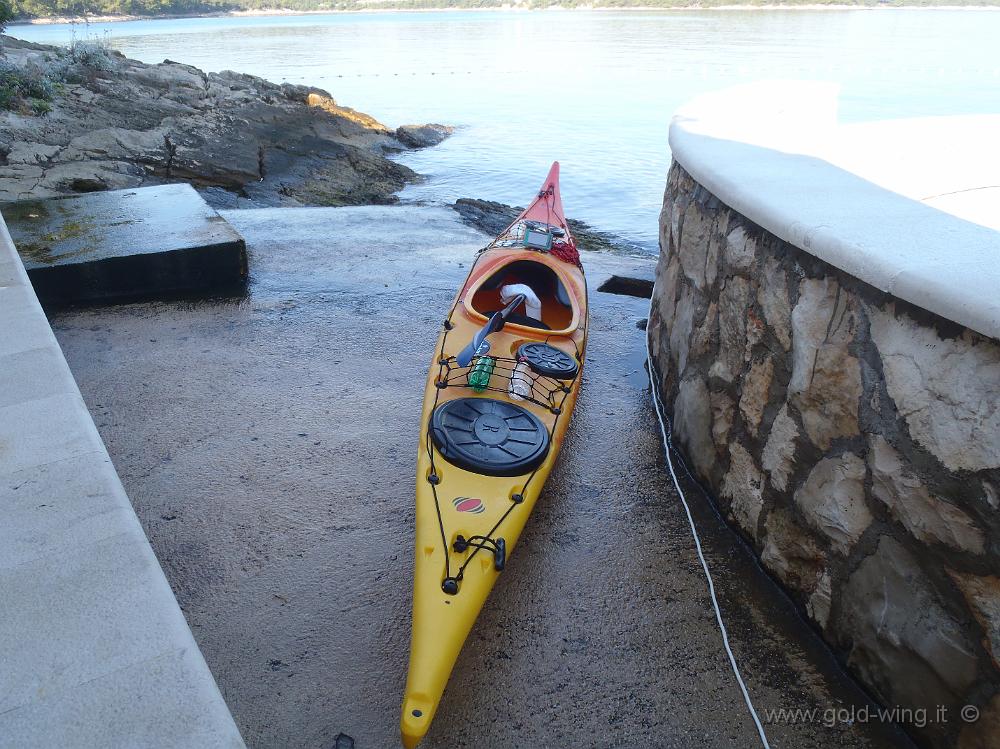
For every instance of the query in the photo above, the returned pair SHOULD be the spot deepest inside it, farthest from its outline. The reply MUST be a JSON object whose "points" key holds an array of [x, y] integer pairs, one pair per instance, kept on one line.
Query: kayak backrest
{"points": [[557, 307]]}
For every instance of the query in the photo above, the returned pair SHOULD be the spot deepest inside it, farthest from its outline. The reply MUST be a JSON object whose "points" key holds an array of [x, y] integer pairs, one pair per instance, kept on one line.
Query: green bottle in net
{"points": [[482, 370]]}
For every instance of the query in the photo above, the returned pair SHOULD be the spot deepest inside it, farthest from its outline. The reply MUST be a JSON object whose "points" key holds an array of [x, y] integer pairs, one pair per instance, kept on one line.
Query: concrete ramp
{"points": [[94, 650], [126, 244]]}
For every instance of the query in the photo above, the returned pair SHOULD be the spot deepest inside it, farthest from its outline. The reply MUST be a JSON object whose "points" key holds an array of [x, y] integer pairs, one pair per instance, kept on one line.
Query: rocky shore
{"points": [[108, 122], [492, 218]]}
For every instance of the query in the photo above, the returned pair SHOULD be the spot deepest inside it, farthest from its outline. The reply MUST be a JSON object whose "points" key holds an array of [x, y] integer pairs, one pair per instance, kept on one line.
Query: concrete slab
{"points": [[73, 638], [872, 200], [24, 325], [94, 651], [19, 380], [36, 432], [9, 270], [37, 525], [116, 710], [125, 244]]}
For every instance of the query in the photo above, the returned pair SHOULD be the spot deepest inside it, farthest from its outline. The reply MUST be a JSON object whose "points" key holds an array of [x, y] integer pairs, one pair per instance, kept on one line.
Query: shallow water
{"points": [[595, 90]]}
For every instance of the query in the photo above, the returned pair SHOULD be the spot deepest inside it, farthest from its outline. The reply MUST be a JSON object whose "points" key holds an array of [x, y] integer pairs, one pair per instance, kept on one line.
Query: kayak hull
{"points": [[454, 503]]}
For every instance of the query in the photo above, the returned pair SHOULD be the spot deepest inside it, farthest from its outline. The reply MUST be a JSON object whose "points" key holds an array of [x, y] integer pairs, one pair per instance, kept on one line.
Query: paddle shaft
{"points": [[493, 325]]}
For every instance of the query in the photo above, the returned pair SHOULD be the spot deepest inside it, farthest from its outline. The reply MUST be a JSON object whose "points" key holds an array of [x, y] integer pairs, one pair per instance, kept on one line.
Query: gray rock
{"points": [[666, 298], [991, 495], [928, 518], [492, 218], [744, 486], [712, 259], [733, 303], [705, 334], [772, 296], [675, 230], [740, 251], [90, 176], [119, 144], [723, 410], [791, 553], [300, 93], [423, 136], [121, 123], [756, 389], [31, 153], [819, 603], [901, 639], [833, 500], [945, 388], [982, 593], [680, 330], [693, 245], [779, 450], [693, 424], [826, 379], [666, 219]]}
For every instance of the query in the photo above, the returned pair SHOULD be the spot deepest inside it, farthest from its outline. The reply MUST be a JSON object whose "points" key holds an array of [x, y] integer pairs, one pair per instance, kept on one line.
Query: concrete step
{"points": [[124, 245]]}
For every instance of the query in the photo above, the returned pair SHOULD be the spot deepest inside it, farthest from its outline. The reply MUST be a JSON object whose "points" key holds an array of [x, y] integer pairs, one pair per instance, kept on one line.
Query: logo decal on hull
{"points": [[469, 504]]}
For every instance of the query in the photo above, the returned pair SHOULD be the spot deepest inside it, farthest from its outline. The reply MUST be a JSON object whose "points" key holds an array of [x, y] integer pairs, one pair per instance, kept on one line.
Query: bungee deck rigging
{"points": [[546, 392]]}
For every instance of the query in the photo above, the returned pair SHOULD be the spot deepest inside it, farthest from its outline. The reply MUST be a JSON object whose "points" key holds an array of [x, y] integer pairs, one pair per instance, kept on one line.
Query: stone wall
{"points": [[854, 440]]}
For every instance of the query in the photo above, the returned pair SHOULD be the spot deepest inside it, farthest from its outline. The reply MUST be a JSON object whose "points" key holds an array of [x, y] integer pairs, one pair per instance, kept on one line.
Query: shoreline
{"points": [[285, 12], [244, 141]]}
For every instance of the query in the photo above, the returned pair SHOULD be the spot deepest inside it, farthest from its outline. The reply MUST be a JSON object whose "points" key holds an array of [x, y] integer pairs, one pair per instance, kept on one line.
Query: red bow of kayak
{"points": [[547, 208]]}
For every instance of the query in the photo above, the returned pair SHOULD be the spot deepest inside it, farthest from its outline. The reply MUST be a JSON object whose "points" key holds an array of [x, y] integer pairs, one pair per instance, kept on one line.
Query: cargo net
{"points": [[510, 377]]}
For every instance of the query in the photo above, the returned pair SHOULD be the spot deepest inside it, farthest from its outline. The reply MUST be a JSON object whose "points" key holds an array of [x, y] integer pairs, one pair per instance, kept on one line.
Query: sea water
{"points": [[595, 90]]}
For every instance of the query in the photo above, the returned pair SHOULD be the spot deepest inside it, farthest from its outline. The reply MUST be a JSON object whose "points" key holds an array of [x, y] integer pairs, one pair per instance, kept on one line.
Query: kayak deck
{"points": [[492, 432]]}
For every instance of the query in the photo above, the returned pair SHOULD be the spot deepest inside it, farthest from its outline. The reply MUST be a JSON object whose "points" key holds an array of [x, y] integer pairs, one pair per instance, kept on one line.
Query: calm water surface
{"points": [[595, 90]]}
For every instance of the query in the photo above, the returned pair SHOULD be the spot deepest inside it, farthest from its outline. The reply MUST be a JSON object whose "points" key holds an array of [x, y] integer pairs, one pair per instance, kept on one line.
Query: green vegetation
{"points": [[31, 89], [24, 9], [27, 91]]}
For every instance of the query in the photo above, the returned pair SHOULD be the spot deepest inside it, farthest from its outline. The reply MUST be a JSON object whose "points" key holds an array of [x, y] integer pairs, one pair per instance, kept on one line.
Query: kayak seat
{"points": [[562, 295], [557, 306], [489, 436]]}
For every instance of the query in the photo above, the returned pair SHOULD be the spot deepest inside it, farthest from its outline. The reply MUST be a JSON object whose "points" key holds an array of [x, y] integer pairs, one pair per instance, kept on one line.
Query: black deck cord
{"points": [[510, 509], [488, 536], [432, 479], [542, 394]]}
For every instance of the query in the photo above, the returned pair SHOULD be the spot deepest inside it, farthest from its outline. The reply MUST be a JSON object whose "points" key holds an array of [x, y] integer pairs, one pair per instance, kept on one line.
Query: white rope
{"points": [[697, 542]]}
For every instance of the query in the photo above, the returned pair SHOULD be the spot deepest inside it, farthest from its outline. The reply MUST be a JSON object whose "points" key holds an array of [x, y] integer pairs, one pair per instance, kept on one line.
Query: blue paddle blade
{"points": [[465, 356], [495, 323]]}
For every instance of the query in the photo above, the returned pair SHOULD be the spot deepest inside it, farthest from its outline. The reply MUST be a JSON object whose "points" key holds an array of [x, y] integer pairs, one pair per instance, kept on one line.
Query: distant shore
{"points": [[263, 12]]}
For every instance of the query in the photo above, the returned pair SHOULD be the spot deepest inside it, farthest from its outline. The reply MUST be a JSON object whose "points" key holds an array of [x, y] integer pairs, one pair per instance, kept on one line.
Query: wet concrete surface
{"points": [[269, 445], [125, 244]]}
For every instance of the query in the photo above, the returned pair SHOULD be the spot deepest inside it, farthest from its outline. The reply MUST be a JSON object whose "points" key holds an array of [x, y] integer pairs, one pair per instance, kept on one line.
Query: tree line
{"points": [[26, 9]]}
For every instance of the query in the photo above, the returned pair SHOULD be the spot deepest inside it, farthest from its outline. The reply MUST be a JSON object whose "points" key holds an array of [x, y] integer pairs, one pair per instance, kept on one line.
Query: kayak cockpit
{"points": [[548, 307]]}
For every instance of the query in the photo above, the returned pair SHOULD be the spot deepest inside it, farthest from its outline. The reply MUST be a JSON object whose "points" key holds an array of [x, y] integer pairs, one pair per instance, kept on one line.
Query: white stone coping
{"points": [[911, 207], [94, 650]]}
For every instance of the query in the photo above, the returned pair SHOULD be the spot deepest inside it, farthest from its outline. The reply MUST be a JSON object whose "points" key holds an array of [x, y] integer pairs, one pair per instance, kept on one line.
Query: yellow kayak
{"points": [[501, 389]]}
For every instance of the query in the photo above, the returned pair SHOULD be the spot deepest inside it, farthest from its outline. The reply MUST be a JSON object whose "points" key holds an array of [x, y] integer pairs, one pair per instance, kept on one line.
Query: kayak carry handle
{"points": [[499, 554], [498, 546]]}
